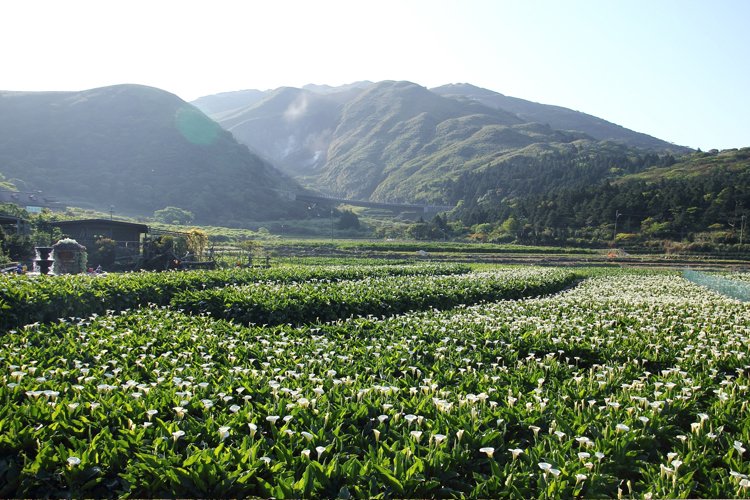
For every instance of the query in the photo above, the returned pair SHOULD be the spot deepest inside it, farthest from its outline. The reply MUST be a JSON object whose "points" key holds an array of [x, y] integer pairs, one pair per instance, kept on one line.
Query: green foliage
{"points": [[174, 215], [44, 234], [30, 299], [348, 220], [510, 226], [13, 246], [103, 253], [164, 243], [3, 252], [437, 229], [299, 302], [651, 227]]}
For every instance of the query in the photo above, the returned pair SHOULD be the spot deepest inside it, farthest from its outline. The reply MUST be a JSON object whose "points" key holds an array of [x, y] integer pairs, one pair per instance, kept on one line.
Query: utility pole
{"points": [[617, 216], [111, 212], [331, 224], [742, 228]]}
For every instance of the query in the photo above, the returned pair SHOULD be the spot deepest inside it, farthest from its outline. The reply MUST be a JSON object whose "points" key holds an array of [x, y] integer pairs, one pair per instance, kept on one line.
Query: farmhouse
{"points": [[128, 236]]}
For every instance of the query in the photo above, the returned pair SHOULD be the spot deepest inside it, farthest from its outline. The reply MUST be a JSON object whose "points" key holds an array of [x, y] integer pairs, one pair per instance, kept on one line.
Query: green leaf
{"points": [[389, 479], [190, 460]]}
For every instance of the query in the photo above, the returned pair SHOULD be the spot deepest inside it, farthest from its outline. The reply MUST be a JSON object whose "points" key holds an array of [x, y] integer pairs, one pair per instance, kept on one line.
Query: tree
{"points": [[653, 228], [440, 222], [43, 233], [3, 257], [103, 253], [419, 231], [348, 220], [174, 215], [510, 226], [197, 241], [15, 247]]}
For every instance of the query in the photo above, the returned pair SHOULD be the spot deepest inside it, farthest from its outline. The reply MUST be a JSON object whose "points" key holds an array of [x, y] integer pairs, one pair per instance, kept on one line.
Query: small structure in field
{"points": [[69, 257]]}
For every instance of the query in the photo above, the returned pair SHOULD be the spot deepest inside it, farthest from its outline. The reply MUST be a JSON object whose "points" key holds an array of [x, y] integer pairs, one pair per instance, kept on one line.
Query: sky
{"points": [[675, 69]]}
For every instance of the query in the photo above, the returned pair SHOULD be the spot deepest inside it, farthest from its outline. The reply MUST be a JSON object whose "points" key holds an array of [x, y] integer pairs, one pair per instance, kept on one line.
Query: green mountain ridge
{"points": [[400, 142], [137, 148], [557, 117], [386, 127]]}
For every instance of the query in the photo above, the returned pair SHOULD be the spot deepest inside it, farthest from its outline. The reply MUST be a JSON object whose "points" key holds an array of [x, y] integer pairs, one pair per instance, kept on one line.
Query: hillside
{"points": [[217, 104], [400, 142], [557, 117], [137, 148], [700, 199], [387, 127], [730, 161]]}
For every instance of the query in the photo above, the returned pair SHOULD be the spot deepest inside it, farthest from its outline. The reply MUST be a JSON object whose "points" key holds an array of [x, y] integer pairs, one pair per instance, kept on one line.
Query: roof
{"points": [[143, 228], [10, 219]]}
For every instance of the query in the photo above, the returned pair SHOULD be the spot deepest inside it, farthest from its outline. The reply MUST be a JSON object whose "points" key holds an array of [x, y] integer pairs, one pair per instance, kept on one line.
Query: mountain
{"points": [[137, 148], [557, 117], [401, 142], [388, 137]]}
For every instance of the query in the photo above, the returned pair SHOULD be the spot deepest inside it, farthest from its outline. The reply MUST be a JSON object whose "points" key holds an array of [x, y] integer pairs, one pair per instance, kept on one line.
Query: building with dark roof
{"points": [[128, 236]]}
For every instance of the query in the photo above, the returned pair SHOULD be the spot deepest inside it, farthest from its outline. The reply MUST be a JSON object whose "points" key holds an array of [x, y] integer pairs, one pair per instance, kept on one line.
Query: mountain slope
{"points": [[218, 104], [137, 148], [697, 164], [557, 117], [389, 133], [291, 127]]}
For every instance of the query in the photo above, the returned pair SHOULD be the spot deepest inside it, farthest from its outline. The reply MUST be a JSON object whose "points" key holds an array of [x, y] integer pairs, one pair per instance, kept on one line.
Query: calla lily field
{"points": [[392, 381]]}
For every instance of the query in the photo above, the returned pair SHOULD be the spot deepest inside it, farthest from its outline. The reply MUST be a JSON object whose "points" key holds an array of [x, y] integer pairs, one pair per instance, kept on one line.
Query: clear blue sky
{"points": [[676, 69]]}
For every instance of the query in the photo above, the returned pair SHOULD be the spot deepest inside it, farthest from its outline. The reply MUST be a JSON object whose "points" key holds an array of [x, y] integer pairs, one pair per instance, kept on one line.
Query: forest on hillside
{"points": [[701, 200]]}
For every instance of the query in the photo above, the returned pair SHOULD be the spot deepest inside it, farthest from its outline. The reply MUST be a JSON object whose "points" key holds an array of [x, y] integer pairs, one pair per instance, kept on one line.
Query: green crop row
{"points": [[28, 299], [305, 302], [627, 385]]}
